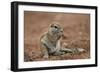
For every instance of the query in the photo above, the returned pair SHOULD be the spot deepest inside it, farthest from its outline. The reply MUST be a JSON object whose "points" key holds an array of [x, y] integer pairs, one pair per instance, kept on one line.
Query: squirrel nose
{"points": [[61, 31]]}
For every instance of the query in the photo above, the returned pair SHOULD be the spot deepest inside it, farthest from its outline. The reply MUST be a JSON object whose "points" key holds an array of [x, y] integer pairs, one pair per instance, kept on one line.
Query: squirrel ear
{"points": [[51, 25]]}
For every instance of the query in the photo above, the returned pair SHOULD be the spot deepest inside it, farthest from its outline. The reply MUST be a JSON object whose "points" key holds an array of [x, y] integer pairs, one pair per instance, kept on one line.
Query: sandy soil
{"points": [[76, 30]]}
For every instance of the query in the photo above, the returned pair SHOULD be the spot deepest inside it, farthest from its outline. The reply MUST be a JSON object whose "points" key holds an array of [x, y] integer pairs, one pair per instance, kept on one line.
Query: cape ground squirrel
{"points": [[50, 42]]}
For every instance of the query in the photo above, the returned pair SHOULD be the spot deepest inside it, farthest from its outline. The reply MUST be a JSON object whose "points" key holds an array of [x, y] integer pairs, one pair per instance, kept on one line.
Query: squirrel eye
{"points": [[55, 26]]}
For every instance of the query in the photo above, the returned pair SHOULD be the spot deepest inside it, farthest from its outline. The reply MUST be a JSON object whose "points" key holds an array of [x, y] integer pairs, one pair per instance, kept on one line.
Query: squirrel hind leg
{"points": [[66, 50]]}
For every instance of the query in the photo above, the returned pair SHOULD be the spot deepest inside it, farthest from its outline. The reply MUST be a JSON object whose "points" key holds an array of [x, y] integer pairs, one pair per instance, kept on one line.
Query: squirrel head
{"points": [[56, 29]]}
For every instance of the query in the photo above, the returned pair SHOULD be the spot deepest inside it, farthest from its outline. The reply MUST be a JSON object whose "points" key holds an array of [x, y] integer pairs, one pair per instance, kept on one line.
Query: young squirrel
{"points": [[50, 42]]}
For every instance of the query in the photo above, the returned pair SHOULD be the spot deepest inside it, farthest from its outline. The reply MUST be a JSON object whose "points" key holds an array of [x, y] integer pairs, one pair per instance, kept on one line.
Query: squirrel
{"points": [[50, 42]]}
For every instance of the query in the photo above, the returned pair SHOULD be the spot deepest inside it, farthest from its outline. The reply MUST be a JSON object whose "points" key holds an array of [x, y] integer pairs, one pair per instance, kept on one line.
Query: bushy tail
{"points": [[73, 50]]}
